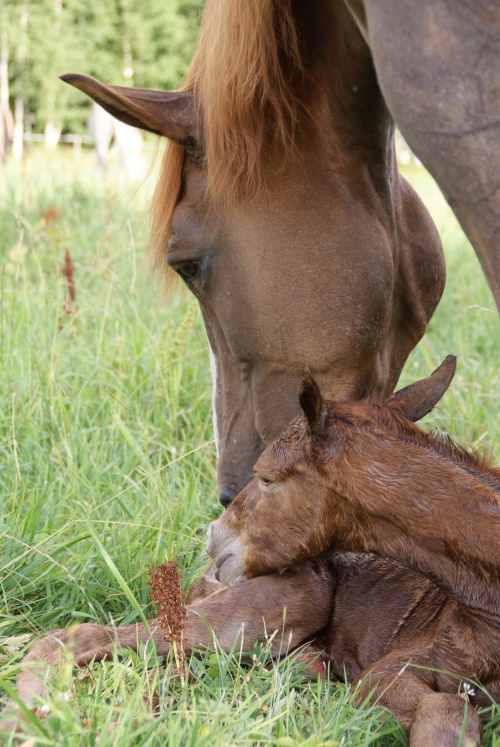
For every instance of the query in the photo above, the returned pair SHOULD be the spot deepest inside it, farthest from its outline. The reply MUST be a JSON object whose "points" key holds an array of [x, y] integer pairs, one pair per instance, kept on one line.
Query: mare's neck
{"points": [[355, 111]]}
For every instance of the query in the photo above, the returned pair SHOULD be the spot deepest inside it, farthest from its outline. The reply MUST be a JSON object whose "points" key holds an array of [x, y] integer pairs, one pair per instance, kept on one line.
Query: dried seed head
{"points": [[68, 270], [167, 596]]}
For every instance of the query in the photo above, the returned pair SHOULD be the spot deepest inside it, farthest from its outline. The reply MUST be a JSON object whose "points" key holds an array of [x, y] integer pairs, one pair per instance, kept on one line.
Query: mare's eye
{"points": [[265, 481], [187, 270]]}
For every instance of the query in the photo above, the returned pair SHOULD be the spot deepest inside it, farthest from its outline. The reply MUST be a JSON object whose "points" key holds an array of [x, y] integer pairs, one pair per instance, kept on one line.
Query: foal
{"points": [[409, 626], [423, 513]]}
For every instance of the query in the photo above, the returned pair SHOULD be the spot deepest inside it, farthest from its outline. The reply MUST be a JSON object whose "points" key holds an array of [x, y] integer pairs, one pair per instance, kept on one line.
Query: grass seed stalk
{"points": [[168, 598]]}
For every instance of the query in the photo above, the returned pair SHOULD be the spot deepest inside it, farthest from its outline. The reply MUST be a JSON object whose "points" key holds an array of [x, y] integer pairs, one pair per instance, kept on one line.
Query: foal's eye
{"points": [[187, 270], [265, 481]]}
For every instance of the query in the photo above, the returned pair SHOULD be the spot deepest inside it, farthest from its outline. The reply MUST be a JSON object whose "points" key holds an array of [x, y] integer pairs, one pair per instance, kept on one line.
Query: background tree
{"points": [[154, 39]]}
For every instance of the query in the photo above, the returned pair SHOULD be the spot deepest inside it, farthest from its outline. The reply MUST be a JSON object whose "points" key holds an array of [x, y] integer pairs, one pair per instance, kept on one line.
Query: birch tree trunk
{"points": [[17, 148]]}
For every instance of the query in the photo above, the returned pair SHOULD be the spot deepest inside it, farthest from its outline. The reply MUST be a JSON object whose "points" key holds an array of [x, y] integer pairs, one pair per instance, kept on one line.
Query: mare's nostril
{"points": [[222, 559], [227, 496]]}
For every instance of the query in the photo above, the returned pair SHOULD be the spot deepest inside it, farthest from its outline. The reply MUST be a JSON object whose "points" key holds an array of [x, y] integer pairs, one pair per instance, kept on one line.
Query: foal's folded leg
{"points": [[249, 610], [430, 718], [442, 718], [298, 602], [83, 643]]}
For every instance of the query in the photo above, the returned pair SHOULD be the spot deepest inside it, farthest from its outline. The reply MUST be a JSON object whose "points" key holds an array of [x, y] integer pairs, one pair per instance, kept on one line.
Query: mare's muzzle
{"points": [[227, 496]]}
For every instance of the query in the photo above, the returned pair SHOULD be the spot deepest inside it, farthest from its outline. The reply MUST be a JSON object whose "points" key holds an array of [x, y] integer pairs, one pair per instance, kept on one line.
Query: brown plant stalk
{"points": [[168, 598], [68, 270]]}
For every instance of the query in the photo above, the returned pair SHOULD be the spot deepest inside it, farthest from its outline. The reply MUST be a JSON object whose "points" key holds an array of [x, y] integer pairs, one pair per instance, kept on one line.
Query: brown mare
{"points": [[334, 262], [281, 207], [380, 540]]}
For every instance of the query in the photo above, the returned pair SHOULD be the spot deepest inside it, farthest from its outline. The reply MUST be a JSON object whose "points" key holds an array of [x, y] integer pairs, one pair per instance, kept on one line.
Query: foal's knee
{"points": [[442, 719]]}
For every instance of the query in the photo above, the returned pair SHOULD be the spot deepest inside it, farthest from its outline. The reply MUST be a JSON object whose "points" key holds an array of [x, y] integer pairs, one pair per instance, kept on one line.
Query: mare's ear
{"points": [[416, 400], [311, 402], [168, 113]]}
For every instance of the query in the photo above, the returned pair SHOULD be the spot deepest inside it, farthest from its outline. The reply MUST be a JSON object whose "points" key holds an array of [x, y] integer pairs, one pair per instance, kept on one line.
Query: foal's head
{"points": [[297, 505]]}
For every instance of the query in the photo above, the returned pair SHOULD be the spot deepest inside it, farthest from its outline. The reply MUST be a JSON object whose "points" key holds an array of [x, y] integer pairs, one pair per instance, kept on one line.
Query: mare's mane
{"points": [[247, 75]]}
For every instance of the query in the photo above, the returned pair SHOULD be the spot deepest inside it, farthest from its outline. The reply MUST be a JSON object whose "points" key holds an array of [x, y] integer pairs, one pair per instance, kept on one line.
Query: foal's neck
{"points": [[427, 511]]}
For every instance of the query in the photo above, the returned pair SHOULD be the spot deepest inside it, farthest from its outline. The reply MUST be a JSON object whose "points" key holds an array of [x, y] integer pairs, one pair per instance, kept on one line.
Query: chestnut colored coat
{"points": [[281, 207]]}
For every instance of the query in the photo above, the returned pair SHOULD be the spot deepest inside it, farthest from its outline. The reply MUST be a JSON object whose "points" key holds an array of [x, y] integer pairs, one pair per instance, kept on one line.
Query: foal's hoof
{"points": [[439, 722], [314, 666]]}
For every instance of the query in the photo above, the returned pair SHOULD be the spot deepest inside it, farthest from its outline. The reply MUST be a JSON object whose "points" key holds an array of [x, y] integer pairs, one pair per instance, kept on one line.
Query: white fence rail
{"points": [[76, 140]]}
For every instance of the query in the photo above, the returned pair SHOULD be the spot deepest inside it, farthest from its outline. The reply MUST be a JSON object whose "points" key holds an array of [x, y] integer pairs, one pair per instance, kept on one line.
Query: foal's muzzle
{"points": [[224, 547]]}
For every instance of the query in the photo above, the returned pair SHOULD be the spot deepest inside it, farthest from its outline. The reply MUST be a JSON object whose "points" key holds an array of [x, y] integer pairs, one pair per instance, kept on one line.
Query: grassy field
{"points": [[107, 463]]}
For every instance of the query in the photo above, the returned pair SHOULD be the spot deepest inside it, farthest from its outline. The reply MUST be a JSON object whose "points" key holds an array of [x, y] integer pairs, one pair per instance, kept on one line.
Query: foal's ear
{"points": [[311, 402], [168, 113], [417, 399]]}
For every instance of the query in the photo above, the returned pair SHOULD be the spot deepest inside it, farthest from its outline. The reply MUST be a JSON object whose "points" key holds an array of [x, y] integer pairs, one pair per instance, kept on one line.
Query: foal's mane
{"points": [[440, 443], [365, 415], [247, 75]]}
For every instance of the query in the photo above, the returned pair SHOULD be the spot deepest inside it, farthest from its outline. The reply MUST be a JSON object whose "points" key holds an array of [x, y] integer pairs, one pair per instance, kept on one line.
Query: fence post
{"points": [[17, 146], [77, 150]]}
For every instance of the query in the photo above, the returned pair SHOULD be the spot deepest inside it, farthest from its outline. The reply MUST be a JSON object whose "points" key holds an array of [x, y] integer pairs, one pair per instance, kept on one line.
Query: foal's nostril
{"points": [[222, 559], [227, 496]]}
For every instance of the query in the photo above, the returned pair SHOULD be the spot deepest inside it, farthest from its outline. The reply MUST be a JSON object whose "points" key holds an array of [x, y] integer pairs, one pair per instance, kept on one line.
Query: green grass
{"points": [[106, 441]]}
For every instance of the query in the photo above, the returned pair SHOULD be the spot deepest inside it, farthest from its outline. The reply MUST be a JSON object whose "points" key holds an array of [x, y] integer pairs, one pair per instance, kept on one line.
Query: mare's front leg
{"points": [[299, 602], [430, 718]]}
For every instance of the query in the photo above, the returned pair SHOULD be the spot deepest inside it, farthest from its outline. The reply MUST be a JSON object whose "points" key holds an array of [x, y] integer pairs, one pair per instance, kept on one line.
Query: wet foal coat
{"points": [[401, 626], [363, 478]]}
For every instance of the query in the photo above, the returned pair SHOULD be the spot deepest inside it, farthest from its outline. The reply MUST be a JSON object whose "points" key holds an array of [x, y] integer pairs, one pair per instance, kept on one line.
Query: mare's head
{"points": [[300, 499], [280, 219]]}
